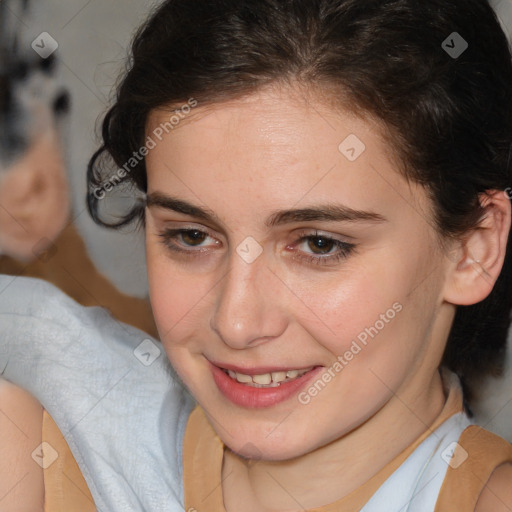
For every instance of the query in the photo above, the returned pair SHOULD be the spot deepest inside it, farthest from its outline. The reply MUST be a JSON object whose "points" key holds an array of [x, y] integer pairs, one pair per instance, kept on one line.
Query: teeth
{"points": [[273, 379], [266, 378], [278, 376], [240, 377]]}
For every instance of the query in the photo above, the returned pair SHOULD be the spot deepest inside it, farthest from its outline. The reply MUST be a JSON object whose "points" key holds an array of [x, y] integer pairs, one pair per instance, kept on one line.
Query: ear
{"points": [[478, 260], [34, 199]]}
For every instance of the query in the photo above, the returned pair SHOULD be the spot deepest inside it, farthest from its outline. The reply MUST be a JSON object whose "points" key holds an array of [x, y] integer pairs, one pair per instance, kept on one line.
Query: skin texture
{"points": [[278, 149], [497, 494], [21, 479]]}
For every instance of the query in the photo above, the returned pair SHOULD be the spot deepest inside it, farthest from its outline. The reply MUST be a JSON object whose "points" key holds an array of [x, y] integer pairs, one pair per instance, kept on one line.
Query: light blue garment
{"points": [[415, 485], [124, 415], [123, 421]]}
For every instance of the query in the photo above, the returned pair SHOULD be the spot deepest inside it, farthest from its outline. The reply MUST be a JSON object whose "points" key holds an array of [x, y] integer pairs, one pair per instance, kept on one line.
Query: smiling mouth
{"points": [[267, 380]]}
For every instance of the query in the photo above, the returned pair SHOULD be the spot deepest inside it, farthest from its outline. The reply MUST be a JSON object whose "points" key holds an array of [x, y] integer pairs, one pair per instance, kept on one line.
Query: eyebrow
{"points": [[323, 212]]}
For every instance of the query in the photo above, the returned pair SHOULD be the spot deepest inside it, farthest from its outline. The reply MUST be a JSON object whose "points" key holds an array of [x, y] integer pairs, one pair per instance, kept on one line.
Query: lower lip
{"points": [[256, 398]]}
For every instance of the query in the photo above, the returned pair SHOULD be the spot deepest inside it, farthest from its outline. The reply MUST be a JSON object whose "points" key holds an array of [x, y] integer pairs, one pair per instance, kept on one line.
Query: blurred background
{"points": [[59, 63], [92, 37], [63, 96]]}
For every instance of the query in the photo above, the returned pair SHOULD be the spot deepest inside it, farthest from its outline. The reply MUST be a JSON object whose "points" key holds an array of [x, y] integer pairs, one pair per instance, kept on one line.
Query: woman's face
{"points": [[314, 253]]}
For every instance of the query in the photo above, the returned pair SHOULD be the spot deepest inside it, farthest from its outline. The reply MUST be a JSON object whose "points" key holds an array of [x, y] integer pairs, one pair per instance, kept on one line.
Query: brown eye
{"points": [[189, 241], [319, 249], [323, 244], [193, 237]]}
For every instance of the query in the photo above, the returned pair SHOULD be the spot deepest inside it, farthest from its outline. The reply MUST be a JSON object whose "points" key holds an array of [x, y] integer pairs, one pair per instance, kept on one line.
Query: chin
{"points": [[259, 446], [251, 452]]}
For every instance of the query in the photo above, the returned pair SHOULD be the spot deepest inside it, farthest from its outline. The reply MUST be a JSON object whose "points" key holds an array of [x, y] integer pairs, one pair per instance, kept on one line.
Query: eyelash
{"points": [[344, 249]]}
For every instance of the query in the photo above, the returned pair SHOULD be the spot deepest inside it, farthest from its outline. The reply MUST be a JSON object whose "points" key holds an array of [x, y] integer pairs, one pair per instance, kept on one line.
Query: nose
{"points": [[249, 308]]}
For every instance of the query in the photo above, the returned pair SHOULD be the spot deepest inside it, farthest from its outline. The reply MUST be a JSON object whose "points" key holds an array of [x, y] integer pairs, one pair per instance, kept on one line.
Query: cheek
{"points": [[180, 301], [339, 309], [372, 318], [176, 305], [176, 302]]}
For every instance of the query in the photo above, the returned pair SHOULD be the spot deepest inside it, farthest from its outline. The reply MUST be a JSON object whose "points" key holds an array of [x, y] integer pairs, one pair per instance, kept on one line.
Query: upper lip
{"points": [[259, 370]]}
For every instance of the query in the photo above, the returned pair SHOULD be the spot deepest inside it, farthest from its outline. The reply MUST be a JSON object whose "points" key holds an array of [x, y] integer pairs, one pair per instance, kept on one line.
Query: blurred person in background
{"points": [[37, 234]]}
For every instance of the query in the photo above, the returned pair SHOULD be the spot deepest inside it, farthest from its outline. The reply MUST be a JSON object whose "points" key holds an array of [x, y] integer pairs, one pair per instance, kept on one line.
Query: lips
{"points": [[253, 394]]}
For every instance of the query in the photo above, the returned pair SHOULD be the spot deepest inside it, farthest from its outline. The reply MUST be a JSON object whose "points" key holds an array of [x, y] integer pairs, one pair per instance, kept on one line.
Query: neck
{"points": [[358, 456]]}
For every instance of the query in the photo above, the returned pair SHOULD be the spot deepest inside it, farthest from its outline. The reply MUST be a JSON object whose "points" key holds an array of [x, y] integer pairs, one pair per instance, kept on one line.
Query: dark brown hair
{"points": [[449, 116]]}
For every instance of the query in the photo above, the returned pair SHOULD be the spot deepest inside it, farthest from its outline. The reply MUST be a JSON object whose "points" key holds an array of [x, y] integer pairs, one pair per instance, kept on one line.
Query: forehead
{"points": [[278, 146], [271, 123]]}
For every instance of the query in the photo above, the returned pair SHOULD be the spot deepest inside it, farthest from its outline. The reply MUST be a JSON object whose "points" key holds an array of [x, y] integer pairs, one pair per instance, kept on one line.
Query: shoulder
{"points": [[21, 478], [38, 299], [497, 494], [33, 308], [33, 311]]}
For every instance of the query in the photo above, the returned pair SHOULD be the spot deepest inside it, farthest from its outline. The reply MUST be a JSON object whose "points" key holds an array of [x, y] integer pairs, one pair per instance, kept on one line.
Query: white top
{"points": [[123, 411], [415, 485], [123, 421]]}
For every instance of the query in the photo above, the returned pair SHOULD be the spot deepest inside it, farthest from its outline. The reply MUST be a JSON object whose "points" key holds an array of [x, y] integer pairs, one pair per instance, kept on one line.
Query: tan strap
{"points": [[464, 483], [64, 485], [202, 464]]}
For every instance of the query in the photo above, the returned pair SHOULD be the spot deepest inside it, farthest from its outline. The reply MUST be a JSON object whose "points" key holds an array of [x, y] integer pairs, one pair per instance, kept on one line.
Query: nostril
{"points": [[62, 103]]}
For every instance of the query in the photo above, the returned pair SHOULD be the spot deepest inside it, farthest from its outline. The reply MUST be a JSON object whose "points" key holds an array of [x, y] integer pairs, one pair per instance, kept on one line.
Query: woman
{"points": [[323, 190]]}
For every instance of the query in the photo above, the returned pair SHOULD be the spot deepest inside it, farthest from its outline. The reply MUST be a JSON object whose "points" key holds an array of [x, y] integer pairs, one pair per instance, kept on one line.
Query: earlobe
{"points": [[482, 254]]}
